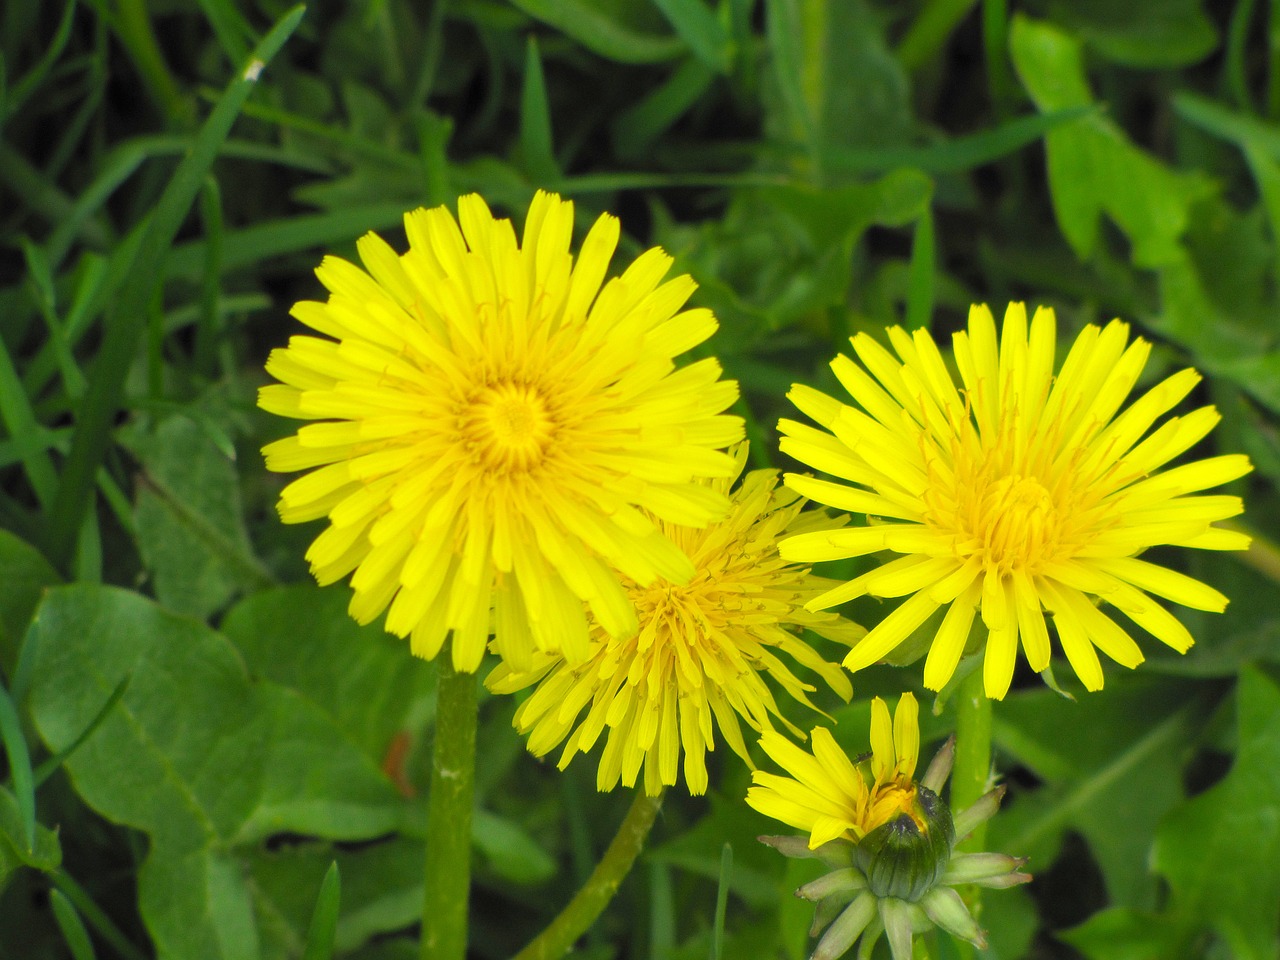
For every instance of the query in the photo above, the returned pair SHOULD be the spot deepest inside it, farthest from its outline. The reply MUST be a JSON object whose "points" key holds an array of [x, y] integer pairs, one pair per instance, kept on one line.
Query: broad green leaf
{"points": [[835, 82], [843, 213], [365, 679], [1112, 786], [1230, 347], [1094, 168], [189, 520], [197, 755], [1141, 33], [512, 854], [24, 575], [1219, 850], [1122, 933]]}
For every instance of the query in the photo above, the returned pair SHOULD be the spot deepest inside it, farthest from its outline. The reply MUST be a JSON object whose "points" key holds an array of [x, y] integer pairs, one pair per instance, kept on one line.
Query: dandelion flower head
{"points": [[829, 796], [702, 654], [499, 434], [1018, 494]]}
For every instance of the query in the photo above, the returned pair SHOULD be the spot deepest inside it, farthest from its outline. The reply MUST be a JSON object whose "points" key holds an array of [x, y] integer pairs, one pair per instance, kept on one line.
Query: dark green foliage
{"points": [[194, 733]]}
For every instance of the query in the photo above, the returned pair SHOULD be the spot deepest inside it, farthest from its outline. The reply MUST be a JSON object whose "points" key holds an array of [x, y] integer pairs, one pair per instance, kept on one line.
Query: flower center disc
{"points": [[508, 427], [1014, 522]]}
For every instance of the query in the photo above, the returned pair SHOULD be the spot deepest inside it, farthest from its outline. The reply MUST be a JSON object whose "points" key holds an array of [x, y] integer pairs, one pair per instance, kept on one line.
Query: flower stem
{"points": [[971, 775], [448, 864], [576, 918]]}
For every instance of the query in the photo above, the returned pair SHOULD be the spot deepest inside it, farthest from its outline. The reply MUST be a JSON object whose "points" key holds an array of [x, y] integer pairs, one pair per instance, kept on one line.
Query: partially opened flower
{"points": [[501, 435], [888, 838], [703, 654], [1018, 494]]}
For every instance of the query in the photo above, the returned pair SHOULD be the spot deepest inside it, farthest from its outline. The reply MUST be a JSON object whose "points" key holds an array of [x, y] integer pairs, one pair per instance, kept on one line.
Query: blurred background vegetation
{"points": [[193, 731]]}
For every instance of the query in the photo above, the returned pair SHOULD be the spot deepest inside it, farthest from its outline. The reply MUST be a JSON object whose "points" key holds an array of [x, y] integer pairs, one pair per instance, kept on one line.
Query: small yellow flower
{"points": [[702, 653], [832, 797], [1018, 494], [499, 431]]}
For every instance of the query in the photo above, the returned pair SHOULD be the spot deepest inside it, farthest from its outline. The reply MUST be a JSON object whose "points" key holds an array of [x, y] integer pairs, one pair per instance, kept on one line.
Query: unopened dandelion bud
{"points": [[905, 857]]}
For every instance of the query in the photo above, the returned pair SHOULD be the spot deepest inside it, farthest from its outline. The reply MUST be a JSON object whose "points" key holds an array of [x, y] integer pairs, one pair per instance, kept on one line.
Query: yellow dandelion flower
{"points": [[701, 655], [887, 839], [499, 430], [828, 795], [1019, 494]]}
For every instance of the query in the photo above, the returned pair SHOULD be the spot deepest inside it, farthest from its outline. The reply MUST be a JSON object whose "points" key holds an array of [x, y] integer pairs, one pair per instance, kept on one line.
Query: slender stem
{"points": [[1263, 554], [448, 865], [971, 775], [574, 920]]}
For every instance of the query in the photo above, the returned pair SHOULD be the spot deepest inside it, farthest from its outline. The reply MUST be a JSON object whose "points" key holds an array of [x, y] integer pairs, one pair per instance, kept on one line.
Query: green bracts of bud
{"points": [[902, 860]]}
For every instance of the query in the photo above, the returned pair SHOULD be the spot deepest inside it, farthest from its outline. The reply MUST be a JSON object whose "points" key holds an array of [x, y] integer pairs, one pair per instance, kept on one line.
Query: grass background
{"points": [[193, 732]]}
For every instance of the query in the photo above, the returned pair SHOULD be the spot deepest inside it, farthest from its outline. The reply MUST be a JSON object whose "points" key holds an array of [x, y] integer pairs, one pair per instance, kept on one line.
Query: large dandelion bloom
{"points": [[702, 653], [500, 432], [1019, 494]]}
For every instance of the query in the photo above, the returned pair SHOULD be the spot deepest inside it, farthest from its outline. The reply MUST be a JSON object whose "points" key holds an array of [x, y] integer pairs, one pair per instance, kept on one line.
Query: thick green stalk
{"points": [[971, 775], [448, 864], [576, 918]]}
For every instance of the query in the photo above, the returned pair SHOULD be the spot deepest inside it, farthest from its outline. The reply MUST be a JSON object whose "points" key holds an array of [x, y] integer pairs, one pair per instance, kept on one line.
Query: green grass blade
{"points": [[324, 921], [535, 122], [127, 321], [229, 27], [920, 282], [929, 33], [596, 31], [20, 420], [962, 153], [15, 748], [722, 900], [73, 931], [697, 26], [208, 330], [21, 91], [41, 274], [662, 913], [1213, 118], [50, 766], [245, 247], [96, 916], [640, 125]]}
